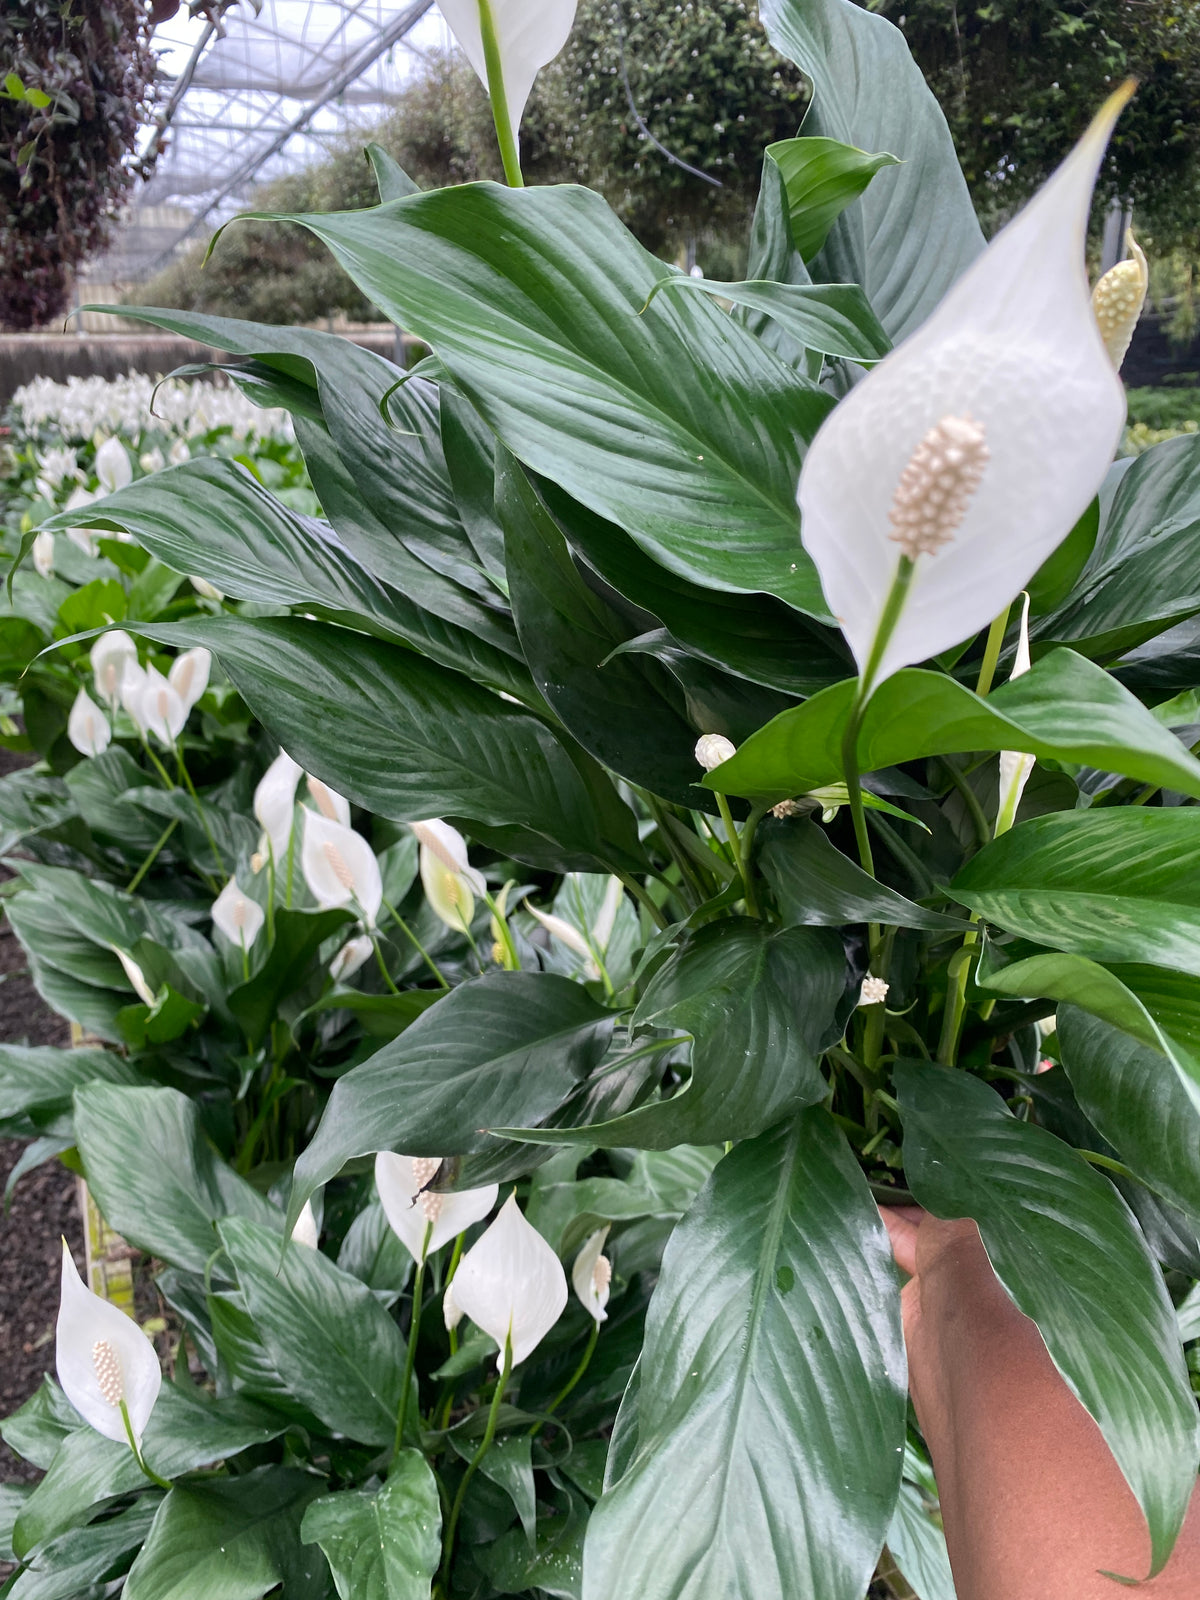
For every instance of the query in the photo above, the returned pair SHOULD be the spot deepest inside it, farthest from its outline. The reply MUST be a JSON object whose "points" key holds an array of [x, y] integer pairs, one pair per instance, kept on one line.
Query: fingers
{"points": [[903, 1224]]}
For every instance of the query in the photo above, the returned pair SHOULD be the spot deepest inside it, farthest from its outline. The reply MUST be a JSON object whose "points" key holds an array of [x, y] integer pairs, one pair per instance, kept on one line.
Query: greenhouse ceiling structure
{"points": [[263, 92]]}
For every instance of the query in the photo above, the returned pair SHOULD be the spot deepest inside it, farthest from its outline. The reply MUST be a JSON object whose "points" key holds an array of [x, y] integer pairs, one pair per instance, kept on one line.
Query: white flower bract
{"points": [[529, 33], [353, 954], [87, 726], [306, 1231], [449, 880], [113, 466], [235, 915], [112, 656], [102, 1358], [402, 1182], [511, 1284], [188, 675], [275, 803], [591, 1276], [1015, 349], [712, 749], [339, 866], [1015, 765]]}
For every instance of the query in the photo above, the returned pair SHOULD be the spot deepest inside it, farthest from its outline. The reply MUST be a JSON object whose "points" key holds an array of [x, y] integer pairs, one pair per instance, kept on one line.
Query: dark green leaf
{"points": [[833, 318], [498, 1042], [298, 937], [913, 231], [1065, 1247], [770, 1413], [382, 1544], [328, 1336], [821, 178], [155, 1177], [815, 884], [406, 738], [918, 1547], [682, 428], [618, 709], [1120, 884], [74, 1566], [231, 1539], [41, 1079], [1065, 709]]}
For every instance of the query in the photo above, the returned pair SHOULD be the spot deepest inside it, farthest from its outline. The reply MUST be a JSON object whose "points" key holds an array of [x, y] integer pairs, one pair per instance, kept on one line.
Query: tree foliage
{"points": [[1018, 80], [78, 86]]}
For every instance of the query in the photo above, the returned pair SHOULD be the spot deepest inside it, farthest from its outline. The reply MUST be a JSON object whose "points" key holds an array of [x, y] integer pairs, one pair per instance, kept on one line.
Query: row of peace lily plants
{"points": [[558, 554]]}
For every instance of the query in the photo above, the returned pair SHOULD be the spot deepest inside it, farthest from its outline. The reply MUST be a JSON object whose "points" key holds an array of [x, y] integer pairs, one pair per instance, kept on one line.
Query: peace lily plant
{"points": [[722, 762]]}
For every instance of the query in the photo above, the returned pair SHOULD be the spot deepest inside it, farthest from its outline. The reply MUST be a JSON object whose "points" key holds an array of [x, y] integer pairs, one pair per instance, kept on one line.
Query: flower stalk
{"points": [[473, 1465]]}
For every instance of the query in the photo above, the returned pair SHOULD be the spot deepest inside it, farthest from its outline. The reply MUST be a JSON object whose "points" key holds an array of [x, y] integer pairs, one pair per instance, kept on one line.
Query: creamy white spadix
{"points": [[339, 866], [529, 34], [970, 451]]}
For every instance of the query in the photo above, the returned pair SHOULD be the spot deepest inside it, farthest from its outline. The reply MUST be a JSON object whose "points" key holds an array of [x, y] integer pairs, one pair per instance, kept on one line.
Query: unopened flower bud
{"points": [[712, 749]]}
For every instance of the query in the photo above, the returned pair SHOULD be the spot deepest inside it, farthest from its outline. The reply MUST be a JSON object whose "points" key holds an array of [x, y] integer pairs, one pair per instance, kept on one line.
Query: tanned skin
{"points": [[1034, 1506]]}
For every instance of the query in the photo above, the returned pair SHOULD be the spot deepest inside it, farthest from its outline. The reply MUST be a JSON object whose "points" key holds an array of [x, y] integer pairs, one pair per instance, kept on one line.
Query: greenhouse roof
{"points": [[267, 90]]}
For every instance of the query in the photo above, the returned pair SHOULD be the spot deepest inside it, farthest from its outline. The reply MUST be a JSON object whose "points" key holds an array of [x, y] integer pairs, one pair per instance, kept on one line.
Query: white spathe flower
{"points": [[55, 466], [103, 1358], [275, 802], [1015, 765], [235, 915], [43, 553], [137, 978], [1118, 300], [403, 1182], [529, 34], [327, 801], [112, 655], [592, 1276], [353, 954], [449, 880], [339, 866], [204, 588], [160, 708], [179, 452], [113, 466], [133, 681], [452, 1312], [152, 460], [972, 449], [511, 1284], [87, 726], [83, 537], [712, 749], [606, 917], [306, 1231], [188, 675], [568, 935]]}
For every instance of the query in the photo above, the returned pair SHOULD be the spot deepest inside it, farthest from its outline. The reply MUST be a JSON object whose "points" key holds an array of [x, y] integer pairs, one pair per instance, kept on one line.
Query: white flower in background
{"points": [[235, 915], [137, 978], [87, 726], [874, 991], [133, 681], [1118, 300], [160, 710], [82, 407], [179, 453], [82, 537], [43, 553], [54, 467], [403, 1182], [592, 1276], [275, 802], [205, 589], [188, 675], [353, 954], [112, 656], [606, 917], [152, 460], [339, 866], [113, 466], [964, 458], [452, 1313], [712, 749], [103, 1359], [529, 34], [568, 935], [306, 1231], [1015, 765], [327, 801], [449, 880], [511, 1284]]}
